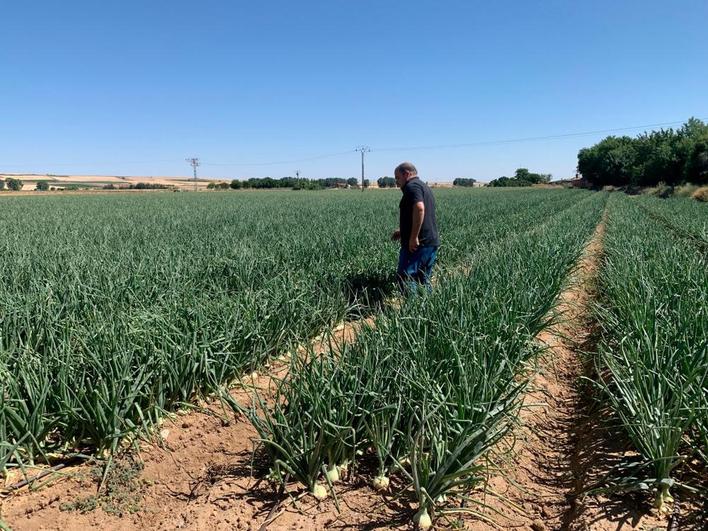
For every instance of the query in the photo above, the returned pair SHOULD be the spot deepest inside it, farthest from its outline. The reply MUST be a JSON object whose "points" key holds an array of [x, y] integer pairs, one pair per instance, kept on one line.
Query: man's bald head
{"points": [[404, 172], [406, 169]]}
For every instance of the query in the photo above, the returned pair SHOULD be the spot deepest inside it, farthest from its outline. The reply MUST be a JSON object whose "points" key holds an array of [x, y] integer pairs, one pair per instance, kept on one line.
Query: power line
{"points": [[460, 145], [380, 149], [275, 163], [525, 139]]}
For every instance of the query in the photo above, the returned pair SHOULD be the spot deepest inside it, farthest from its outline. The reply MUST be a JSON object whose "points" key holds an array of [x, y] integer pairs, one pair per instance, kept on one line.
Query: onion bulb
{"points": [[380, 483], [663, 500], [422, 519], [319, 491], [333, 474]]}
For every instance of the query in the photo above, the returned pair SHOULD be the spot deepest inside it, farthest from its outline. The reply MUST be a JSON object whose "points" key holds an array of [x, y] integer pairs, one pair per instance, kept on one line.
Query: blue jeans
{"points": [[415, 268]]}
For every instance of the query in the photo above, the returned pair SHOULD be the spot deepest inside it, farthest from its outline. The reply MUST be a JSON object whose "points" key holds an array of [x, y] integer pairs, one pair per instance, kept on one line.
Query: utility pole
{"points": [[194, 162], [362, 150]]}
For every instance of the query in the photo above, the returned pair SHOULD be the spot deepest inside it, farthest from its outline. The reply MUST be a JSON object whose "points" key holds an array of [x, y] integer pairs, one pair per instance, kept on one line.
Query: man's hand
{"points": [[413, 243], [396, 235]]}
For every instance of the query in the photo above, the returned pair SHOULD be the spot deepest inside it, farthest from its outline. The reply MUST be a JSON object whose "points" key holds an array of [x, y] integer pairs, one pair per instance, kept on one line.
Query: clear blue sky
{"points": [[134, 87]]}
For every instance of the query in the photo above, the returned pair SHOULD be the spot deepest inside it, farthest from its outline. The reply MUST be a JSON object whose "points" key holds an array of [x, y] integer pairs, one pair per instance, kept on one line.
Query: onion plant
{"points": [[654, 316]]}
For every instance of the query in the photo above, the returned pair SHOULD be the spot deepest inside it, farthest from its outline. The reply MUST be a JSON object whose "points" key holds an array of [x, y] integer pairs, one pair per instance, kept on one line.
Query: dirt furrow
{"points": [[540, 474], [564, 444]]}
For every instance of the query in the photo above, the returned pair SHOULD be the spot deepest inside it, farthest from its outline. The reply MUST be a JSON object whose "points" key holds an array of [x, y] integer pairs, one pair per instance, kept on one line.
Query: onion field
{"points": [[117, 310], [434, 385], [114, 310]]}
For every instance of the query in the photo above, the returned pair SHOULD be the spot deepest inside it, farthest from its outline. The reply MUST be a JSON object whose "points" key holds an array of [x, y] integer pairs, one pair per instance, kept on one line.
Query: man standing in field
{"points": [[417, 229]]}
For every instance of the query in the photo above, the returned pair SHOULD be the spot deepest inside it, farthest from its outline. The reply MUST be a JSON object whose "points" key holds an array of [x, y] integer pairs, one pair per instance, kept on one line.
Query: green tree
{"points": [[353, 182], [386, 182], [42, 186], [522, 177], [613, 161], [15, 184], [522, 174], [2, 184], [235, 184], [669, 156], [505, 182]]}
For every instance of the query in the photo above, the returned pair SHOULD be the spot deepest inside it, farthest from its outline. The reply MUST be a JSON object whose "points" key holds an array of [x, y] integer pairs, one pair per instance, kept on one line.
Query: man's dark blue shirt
{"points": [[414, 192]]}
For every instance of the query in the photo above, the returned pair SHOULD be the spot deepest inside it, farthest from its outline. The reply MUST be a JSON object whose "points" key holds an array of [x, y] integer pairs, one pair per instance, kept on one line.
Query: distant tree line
{"points": [[668, 156], [462, 181], [296, 183], [218, 186], [138, 186], [522, 177], [386, 182], [12, 184]]}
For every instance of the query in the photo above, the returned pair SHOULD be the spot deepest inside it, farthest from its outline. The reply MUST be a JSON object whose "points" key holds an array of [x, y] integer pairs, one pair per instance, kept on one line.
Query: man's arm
{"points": [[418, 217]]}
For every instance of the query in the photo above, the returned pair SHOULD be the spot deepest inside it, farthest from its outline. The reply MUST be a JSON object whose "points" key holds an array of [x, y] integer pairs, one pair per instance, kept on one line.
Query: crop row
{"points": [[654, 352], [684, 216], [115, 309], [431, 387]]}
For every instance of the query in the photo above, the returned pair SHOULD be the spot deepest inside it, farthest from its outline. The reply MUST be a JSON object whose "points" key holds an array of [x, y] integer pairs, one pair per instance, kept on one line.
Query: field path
{"points": [[563, 445], [539, 475]]}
